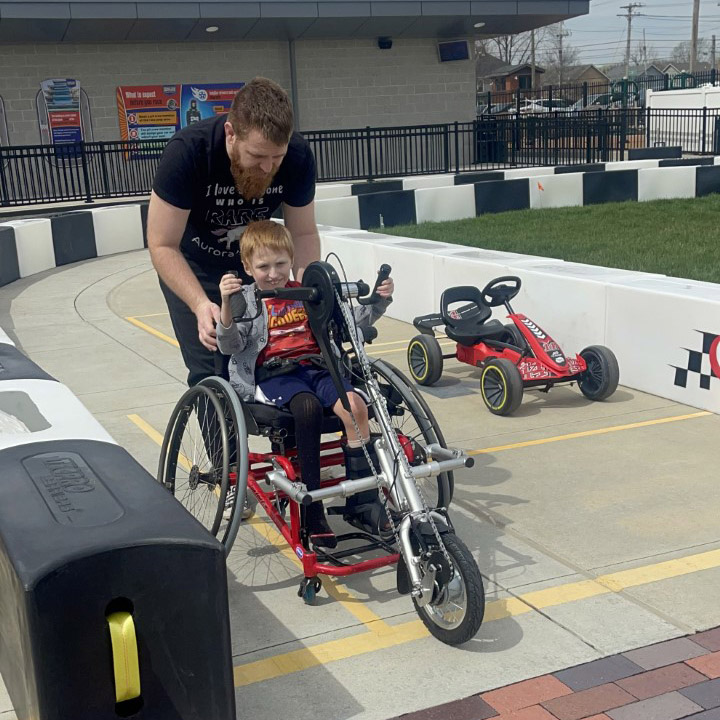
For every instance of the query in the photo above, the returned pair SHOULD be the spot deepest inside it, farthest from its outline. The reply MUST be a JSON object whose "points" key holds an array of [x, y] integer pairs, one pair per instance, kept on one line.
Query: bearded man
{"points": [[215, 177]]}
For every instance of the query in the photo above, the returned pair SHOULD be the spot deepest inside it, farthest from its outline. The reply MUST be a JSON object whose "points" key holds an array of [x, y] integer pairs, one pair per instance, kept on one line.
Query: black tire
{"points": [[501, 386], [195, 474], [601, 378], [411, 416], [456, 625], [239, 458], [425, 359]]}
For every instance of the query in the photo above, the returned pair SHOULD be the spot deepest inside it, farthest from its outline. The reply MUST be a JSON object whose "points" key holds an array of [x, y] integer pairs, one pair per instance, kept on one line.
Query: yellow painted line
{"points": [[334, 650], [589, 433], [340, 593], [164, 314], [153, 331]]}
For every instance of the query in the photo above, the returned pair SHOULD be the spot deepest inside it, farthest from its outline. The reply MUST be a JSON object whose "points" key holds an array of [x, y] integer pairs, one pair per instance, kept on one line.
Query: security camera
{"points": [[384, 43]]}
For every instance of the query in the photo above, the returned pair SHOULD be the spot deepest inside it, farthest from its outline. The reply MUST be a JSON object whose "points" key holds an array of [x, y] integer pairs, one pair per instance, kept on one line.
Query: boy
{"points": [[282, 331]]}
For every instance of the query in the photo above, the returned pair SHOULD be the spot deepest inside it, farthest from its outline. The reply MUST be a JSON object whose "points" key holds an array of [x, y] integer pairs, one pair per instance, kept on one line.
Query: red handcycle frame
{"points": [[259, 465]]}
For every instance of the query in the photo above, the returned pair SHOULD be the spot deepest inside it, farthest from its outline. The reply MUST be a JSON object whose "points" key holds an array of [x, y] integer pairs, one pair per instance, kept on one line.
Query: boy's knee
{"points": [[357, 404]]}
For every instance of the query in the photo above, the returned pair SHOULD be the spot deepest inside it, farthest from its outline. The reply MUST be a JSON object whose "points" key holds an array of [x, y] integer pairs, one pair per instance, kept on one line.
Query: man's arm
{"points": [[165, 227], [300, 221]]}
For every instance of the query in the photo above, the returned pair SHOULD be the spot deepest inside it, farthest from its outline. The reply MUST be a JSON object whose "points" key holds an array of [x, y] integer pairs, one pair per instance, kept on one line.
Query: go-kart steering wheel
{"points": [[497, 293]]}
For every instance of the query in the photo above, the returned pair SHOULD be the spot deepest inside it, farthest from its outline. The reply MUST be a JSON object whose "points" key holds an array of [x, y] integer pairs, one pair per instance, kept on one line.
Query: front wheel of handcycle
{"points": [[601, 378], [425, 359], [204, 457], [501, 386], [456, 611]]}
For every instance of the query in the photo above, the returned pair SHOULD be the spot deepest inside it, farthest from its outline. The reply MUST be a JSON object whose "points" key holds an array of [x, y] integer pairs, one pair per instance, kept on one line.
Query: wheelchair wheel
{"points": [[601, 378], [425, 359], [501, 386], [195, 458], [411, 416], [237, 495], [456, 611]]}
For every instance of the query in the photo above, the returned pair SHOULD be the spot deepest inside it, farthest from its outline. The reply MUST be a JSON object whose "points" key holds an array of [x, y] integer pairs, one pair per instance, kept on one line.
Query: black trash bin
{"points": [[489, 147]]}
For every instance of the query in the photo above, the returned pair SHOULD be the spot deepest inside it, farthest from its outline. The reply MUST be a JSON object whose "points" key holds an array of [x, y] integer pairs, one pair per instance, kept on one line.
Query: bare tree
{"points": [[681, 52], [557, 55], [511, 49]]}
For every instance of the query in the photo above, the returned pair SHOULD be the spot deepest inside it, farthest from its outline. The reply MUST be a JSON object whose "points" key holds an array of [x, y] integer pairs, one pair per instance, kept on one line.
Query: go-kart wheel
{"points": [[425, 359], [456, 611], [601, 378], [501, 386], [513, 336]]}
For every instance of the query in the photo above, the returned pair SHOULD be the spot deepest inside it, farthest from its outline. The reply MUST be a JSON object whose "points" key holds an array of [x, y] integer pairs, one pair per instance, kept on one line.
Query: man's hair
{"points": [[264, 106], [265, 234]]}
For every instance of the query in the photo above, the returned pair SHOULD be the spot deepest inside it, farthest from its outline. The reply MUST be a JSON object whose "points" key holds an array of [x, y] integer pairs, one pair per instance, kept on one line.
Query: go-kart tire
{"points": [[425, 359], [601, 378], [514, 336], [455, 620], [501, 386]]}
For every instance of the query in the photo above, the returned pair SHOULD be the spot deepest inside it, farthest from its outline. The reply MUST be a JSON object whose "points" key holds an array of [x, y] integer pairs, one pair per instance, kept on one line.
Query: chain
{"points": [[385, 420]]}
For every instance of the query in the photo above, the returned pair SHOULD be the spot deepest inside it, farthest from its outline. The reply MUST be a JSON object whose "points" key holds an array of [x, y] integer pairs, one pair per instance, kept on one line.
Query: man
{"points": [[214, 178]]}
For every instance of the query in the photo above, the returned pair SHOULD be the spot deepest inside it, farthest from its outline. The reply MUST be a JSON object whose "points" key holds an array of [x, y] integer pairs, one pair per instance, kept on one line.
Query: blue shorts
{"points": [[281, 389]]}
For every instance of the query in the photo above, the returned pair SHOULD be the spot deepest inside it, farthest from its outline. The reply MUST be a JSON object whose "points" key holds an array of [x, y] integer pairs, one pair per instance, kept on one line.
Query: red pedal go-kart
{"points": [[512, 356]]}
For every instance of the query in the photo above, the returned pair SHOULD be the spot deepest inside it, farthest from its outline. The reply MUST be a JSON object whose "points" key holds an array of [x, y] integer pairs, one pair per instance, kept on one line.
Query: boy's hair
{"points": [[265, 234], [264, 106]]}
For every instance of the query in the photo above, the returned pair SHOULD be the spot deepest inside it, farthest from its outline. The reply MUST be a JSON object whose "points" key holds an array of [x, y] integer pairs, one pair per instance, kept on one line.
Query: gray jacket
{"points": [[244, 341]]}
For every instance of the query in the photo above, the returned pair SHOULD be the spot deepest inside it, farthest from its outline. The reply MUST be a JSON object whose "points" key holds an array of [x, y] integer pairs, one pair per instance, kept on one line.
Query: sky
{"points": [[601, 36]]}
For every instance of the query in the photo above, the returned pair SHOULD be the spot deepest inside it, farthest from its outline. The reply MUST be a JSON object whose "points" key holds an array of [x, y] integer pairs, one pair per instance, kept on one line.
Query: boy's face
{"points": [[269, 268]]}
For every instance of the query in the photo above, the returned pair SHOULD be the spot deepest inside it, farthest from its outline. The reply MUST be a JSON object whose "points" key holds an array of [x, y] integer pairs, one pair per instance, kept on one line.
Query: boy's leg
{"points": [[308, 413]]}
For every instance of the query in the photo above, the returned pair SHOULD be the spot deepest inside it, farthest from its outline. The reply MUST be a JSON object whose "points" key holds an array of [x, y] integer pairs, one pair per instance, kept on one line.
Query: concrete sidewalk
{"points": [[594, 525]]}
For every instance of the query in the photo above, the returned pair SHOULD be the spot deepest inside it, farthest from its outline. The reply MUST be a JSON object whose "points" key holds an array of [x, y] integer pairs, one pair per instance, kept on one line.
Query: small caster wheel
{"points": [[309, 588]]}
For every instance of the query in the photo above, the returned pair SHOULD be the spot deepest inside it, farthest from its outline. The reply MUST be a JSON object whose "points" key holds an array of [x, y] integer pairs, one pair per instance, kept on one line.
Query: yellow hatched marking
{"points": [[589, 433]]}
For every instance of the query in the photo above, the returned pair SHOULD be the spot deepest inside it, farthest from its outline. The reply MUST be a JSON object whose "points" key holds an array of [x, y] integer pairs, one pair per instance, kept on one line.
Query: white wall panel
{"points": [[427, 181], [52, 409], [325, 192], [631, 164], [34, 245], [654, 324], [445, 203], [665, 183], [341, 212], [552, 191], [117, 229]]}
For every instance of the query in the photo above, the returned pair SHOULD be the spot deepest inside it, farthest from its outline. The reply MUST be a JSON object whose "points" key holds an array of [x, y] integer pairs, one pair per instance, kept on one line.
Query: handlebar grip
{"points": [[383, 274], [238, 306]]}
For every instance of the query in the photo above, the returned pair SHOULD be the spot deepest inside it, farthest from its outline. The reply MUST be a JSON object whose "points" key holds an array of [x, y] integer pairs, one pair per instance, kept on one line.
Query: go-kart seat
{"points": [[467, 324]]}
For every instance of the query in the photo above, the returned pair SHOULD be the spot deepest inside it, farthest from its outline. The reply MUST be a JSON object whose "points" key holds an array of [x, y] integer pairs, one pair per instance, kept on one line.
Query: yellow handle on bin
{"points": [[125, 656]]}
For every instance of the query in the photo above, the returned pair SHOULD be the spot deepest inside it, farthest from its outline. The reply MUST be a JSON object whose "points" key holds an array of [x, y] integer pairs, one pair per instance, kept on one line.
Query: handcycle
{"points": [[205, 460], [512, 356]]}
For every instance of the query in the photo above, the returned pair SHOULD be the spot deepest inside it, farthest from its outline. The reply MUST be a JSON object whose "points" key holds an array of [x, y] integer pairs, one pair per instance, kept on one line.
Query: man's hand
{"points": [[208, 315]]}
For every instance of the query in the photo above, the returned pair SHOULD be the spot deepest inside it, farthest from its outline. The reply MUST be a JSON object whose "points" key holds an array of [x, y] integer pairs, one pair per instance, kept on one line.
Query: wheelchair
{"points": [[206, 463]]}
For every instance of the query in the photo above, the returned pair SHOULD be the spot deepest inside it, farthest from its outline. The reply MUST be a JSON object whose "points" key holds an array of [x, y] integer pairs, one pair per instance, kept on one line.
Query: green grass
{"points": [[672, 237]]}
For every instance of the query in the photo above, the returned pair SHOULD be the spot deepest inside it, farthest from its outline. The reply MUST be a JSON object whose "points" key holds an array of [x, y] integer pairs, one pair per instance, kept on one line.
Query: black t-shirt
{"points": [[194, 173]]}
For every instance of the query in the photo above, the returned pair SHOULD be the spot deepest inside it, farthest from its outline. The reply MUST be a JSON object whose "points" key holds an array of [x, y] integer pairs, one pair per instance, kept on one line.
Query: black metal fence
{"points": [[97, 170], [616, 93]]}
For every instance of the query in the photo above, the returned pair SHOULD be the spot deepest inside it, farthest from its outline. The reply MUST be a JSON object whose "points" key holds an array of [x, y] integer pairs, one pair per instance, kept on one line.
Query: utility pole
{"points": [[629, 16], [694, 34], [562, 33], [712, 53], [532, 58], [644, 52]]}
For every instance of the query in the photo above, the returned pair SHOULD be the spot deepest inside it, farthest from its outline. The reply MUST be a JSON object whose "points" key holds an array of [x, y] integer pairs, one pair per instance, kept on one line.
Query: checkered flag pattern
{"points": [[702, 365]]}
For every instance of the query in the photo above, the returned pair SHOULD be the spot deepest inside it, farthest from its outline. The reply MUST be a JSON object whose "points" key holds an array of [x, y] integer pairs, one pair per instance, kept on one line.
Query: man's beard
{"points": [[251, 183]]}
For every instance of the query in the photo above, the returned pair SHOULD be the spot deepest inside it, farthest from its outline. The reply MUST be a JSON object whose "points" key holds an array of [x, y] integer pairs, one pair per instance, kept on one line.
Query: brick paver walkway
{"points": [[675, 679]]}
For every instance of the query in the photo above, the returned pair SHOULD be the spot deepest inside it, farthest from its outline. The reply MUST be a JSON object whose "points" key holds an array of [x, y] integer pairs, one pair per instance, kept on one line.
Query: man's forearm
{"points": [[307, 250], [175, 272]]}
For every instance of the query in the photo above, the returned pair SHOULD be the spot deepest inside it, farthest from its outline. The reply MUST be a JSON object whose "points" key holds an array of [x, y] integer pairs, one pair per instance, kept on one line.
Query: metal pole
{"points": [[694, 34], [629, 16], [532, 60], [293, 84]]}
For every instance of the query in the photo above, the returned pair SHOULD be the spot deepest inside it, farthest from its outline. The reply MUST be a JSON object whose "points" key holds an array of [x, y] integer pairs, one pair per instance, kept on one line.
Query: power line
{"points": [[629, 16]]}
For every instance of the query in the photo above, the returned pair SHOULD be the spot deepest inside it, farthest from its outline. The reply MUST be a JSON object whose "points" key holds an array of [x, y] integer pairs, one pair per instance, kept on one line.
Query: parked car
{"points": [[495, 108], [546, 105]]}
